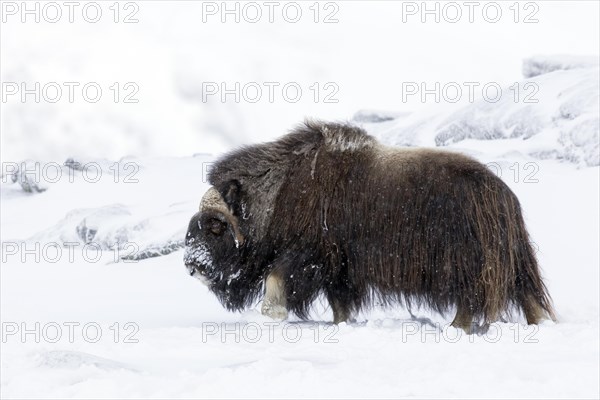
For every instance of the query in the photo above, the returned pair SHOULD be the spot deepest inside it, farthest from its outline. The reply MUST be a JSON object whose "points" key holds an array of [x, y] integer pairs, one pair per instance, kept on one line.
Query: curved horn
{"points": [[212, 200]]}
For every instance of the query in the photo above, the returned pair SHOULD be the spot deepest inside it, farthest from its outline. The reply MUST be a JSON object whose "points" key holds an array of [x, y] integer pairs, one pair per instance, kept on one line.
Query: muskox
{"points": [[328, 210]]}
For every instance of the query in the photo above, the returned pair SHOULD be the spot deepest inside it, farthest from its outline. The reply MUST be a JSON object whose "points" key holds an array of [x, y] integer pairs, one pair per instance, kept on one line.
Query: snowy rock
{"points": [[28, 176], [155, 250], [116, 227], [102, 226], [374, 116], [73, 164], [549, 115], [539, 65]]}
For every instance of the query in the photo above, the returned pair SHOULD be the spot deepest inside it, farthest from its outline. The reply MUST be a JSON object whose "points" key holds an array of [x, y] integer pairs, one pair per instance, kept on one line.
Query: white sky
{"points": [[368, 54]]}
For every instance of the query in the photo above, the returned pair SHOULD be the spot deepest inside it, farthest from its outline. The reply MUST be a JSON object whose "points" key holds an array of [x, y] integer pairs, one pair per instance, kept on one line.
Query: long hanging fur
{"points": [[334, 212]]}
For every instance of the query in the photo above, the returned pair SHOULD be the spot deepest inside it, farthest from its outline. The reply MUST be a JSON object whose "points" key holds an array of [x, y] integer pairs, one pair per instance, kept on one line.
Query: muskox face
{"points": [[213, 240]]}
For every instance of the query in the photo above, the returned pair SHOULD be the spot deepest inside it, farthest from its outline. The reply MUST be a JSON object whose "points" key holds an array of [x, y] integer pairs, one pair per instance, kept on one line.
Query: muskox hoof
{"points": [[274, 311], [465, 322], [473, 328]]}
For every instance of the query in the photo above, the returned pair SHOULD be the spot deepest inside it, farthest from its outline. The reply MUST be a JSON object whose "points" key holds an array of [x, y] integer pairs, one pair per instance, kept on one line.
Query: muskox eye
{"points": [[216, 226]]}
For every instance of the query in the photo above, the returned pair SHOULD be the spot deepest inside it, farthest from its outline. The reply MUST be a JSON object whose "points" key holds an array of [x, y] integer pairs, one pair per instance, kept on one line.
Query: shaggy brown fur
{"points": [[327, 209]]}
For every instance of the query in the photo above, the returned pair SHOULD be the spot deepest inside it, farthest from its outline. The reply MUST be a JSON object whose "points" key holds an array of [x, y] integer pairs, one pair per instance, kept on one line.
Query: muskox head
{"points": [[215, 247], [213, 237]]}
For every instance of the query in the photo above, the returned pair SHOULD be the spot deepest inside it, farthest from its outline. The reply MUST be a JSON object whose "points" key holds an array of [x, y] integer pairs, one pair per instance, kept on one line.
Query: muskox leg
{"points": [[341, 312], [531, 293], [464, 320], [274, 304], [534, 312]]}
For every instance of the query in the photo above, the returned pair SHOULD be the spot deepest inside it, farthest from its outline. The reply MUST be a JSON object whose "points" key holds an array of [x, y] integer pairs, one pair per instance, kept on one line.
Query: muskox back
{"points": [[329, 210]]}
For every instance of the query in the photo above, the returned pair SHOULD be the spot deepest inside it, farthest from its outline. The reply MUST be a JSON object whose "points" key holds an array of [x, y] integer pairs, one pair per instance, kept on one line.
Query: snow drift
{"points": [[552, 114]]}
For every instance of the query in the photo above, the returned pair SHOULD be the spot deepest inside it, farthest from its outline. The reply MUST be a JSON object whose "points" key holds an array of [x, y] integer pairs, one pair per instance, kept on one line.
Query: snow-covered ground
{"points": [[187, 345]]}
